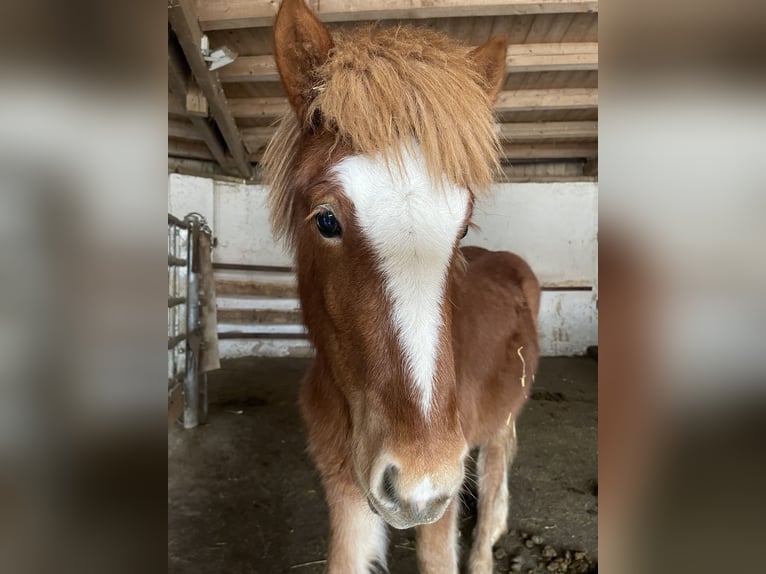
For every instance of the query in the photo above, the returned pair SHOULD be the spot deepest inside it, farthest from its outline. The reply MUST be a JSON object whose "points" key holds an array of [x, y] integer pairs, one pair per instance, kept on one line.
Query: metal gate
{"points": [[187, 385]]}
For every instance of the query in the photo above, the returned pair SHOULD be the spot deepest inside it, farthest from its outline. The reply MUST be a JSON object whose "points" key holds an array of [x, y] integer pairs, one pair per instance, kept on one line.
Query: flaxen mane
{"points": [[384, 88]]}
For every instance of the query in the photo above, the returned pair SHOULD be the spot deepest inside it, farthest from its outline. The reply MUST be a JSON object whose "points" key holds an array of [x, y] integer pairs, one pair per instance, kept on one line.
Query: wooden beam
{"points": [[257, 107], [228, 14], [184, 21], [550, 150], [551, 99], [552, 57], [182, 130], [257, 137], [188, 149], [535, 170], [255, 288], [557, 131], [176, 105], [513, 151], [202, 168], [182, 85], [509, 101], [520, 58], [260, 316], [250, 69]]}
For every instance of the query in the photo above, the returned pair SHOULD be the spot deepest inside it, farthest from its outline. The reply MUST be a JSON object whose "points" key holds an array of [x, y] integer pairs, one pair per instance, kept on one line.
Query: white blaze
{"points": [[412, 224]]}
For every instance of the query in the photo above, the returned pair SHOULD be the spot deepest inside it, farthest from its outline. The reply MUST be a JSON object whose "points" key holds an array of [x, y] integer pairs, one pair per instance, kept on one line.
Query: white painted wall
{"points": [[552, 225]]}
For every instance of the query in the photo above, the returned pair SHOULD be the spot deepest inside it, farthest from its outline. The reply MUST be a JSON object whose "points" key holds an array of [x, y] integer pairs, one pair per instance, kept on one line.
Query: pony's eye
{"points": [[327, 224], [465, 232]]}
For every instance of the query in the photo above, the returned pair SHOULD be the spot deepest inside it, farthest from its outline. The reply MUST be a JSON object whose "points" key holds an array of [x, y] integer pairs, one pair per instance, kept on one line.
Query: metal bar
{"points": [[173, 220], [191, 381], [175, 301], [175, 261]]}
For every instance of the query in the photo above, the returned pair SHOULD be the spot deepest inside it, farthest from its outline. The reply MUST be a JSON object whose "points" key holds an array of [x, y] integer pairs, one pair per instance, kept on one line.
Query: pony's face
{"points": [[376, 236], [375, 248]]}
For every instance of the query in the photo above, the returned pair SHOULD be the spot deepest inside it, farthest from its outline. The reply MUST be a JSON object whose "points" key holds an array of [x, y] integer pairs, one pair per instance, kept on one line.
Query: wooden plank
{"points": [[549, 151], [184, 21], [512, 151], [247, 335], [196, 102], [250, 69], [516, 131], [183, 130], [228, 14], [255, 288], [534, 170], [188, 149], [257, 107], [250, 267], [547, 179], [294, 316], [200, 168], [508, 101], [255, 138], [528, 131], [176, 105], [520, 58], [542, 100], [260, 316]]}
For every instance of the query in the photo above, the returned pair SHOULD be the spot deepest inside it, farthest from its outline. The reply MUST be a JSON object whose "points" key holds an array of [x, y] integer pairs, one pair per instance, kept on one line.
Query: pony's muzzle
{"points": [[404, 507]]}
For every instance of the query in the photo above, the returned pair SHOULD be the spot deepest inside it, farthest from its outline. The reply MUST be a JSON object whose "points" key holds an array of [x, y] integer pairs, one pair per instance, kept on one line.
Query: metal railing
{"points": [[187, 388]]}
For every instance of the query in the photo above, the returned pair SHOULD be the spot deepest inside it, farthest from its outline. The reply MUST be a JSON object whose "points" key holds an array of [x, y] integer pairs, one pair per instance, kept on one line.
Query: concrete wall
{"points": [[552, 225]]}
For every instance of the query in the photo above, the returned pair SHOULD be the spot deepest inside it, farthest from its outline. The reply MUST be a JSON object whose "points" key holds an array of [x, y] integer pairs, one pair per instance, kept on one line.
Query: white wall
{"points": [[552, 225]]}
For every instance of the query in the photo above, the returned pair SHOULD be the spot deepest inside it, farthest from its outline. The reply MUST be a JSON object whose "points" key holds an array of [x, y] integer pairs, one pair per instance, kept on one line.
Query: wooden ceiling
{"points": [[220, 122]]}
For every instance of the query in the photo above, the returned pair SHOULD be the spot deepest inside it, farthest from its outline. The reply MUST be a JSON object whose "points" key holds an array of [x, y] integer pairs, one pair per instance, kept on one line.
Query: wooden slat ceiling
{"points": [[219, 122]]}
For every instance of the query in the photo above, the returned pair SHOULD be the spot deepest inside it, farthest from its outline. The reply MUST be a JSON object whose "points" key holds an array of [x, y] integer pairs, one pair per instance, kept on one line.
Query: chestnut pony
{"points": [[423, 350]]}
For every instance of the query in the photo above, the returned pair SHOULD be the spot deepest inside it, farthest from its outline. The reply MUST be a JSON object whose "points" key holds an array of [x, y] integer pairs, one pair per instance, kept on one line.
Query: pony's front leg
{"points": [[495, 456], [358, 538], [437, 544]]}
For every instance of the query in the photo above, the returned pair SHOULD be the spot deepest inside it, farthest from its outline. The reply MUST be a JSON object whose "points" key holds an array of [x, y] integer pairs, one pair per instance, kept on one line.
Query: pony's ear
{"points": [[490, 61], [301, 44]]}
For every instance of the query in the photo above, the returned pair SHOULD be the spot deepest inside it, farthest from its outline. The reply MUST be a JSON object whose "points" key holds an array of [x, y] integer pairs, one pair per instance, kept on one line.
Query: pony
{"points": [[424, 350]]}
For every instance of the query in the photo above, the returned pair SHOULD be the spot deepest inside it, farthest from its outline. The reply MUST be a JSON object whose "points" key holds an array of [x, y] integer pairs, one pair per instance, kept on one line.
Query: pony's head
{"points": [[373, 175]]}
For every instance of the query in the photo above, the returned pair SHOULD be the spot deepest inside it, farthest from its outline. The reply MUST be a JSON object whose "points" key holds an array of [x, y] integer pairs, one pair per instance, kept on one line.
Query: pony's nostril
{"points": [[388, 485]]}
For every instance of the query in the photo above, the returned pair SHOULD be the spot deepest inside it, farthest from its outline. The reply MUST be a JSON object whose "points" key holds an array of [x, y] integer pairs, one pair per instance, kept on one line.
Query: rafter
{"points": [[184, 21], [179, 82]]}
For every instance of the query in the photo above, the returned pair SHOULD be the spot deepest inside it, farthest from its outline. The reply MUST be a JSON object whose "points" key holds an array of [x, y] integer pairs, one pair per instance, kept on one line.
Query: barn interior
{"points": [[243, 495]]}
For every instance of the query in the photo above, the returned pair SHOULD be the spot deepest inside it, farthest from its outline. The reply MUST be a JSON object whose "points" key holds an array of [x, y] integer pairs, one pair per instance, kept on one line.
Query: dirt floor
{"points": [[243, 496]]}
